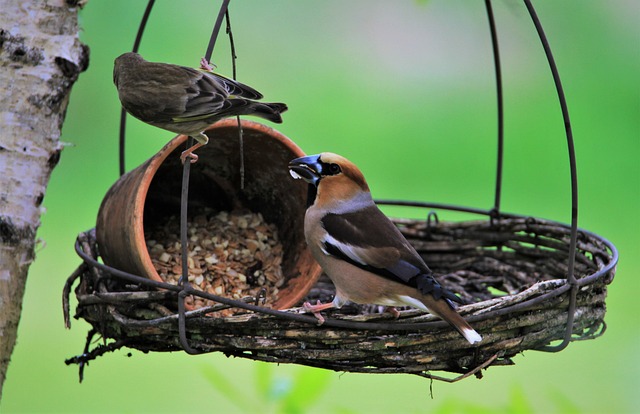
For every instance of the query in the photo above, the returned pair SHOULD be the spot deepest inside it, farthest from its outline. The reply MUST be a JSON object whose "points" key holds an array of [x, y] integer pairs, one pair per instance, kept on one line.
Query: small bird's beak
{"points": [[306, 168]]}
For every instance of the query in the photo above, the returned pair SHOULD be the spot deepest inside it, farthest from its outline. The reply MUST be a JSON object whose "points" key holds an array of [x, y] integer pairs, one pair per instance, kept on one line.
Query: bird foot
{"points": [[392, 310], [188, 153], [193, 158], [315, 309], [205, 65]]}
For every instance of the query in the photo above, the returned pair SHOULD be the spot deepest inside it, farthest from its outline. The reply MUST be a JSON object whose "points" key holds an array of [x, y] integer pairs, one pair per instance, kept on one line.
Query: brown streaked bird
{"points": [[185, 100], [361, 250]]}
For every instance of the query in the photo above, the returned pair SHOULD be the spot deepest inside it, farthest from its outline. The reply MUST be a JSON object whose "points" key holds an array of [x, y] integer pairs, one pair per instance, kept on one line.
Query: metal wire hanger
{"points": [[184, 289]]}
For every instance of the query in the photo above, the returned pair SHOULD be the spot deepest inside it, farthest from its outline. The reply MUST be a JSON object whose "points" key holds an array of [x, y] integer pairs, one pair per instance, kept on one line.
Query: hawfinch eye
{"points": [[334, 169]]}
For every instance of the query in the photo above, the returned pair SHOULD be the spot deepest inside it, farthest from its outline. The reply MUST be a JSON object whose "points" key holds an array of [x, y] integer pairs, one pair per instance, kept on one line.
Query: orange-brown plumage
{"points": [[361, 250]]}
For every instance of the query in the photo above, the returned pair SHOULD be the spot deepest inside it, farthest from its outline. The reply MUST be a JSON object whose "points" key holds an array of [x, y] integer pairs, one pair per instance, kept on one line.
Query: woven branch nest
{"points": [[512, 272]]}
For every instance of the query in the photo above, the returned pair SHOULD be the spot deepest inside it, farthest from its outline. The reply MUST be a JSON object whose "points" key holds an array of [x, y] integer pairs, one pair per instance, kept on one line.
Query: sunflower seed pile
{"points": [[231, 254]]}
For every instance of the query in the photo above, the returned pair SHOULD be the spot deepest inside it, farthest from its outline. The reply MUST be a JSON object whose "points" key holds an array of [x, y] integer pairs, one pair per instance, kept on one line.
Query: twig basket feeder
{"points": [[516, 268], [529, 283]]}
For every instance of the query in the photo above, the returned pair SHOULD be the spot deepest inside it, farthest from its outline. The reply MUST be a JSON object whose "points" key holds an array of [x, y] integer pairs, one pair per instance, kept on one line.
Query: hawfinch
{"points": [[185, 100], [361, 250]]}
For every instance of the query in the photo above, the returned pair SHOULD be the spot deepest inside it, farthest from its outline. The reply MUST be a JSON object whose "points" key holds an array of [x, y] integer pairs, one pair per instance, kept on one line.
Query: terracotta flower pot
{"points": [[148, 194]]}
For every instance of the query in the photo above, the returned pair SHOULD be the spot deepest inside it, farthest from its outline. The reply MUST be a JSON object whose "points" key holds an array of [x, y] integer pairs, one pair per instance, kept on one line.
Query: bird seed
{"points": [[232, 254]]}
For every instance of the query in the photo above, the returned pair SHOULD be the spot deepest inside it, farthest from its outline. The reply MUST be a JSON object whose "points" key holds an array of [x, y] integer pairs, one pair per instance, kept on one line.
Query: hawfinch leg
{"points": [[317, 308], [392, 310]]}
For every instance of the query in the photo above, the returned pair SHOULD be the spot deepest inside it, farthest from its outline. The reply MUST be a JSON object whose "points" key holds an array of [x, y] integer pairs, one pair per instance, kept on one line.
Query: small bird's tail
{"points": [[269, 111], [443, 309]]}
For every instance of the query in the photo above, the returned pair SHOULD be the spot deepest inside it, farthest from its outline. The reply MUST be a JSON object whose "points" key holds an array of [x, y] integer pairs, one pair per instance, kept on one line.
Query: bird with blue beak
{"points": [[367, 258]]}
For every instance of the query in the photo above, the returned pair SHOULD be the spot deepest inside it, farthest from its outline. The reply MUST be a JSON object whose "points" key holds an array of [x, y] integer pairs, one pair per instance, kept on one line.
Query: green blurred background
{"points": [[406, 90]]}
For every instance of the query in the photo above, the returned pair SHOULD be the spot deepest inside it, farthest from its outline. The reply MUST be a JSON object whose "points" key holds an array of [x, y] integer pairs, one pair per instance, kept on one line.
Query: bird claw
{"points": [[314, 309], [193, 158], [392, 310], [205, 65]]}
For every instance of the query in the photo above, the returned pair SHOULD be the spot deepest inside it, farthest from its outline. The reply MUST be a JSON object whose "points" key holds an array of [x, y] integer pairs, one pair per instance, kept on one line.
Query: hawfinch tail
{"points": [[361, 250], [185, 100]]}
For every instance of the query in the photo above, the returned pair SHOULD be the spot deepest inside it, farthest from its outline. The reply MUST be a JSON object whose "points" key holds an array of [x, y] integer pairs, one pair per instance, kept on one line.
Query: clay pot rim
{"points": [[157, 160]]}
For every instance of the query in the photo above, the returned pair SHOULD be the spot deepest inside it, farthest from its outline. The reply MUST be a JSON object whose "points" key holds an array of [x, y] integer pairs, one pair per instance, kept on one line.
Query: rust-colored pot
{"points": [[152, 191]]}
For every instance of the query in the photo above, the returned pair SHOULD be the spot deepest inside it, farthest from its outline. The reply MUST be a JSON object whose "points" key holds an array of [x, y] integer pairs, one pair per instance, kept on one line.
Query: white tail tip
{"points": [[472, 336]]}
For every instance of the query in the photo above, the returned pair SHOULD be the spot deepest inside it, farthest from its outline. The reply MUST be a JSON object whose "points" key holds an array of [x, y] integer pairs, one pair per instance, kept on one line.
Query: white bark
{"points": [[40, 59]]}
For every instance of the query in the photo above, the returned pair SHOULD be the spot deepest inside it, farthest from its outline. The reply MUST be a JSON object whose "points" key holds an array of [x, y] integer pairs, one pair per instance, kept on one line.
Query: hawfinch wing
{"points": [[368, 239]]}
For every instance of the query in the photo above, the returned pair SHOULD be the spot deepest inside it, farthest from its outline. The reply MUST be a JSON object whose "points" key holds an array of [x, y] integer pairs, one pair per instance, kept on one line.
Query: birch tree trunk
{"points": [[40, 59]]}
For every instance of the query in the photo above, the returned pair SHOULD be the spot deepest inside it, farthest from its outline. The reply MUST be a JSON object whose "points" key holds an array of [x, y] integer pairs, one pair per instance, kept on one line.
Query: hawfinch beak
{"points": [[307, 168]]}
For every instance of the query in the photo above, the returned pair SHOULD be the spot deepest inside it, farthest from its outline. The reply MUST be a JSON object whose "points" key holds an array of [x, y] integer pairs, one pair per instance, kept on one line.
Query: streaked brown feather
{"points": [[183, 99]]}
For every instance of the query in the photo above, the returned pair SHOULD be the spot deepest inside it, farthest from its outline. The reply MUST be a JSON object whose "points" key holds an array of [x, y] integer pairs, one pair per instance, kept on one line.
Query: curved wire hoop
{"points": [[123, 113], [571, 279]]}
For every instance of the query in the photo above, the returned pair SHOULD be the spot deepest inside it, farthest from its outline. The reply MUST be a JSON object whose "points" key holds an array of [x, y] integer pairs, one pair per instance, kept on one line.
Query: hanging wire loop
{"points": [[574, 178], [495, 212], [184, 203], [123, 113]]}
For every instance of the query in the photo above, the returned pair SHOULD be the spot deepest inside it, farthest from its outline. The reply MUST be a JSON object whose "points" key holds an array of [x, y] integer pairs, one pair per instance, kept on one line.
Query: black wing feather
{"points": [[370, 228]]}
